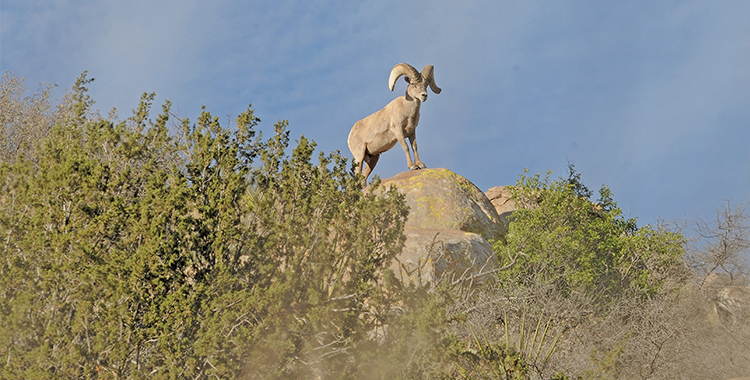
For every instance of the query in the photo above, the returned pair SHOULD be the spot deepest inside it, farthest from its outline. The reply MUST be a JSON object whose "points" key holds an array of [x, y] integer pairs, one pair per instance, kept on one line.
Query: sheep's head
{"points": [[418, 83]]}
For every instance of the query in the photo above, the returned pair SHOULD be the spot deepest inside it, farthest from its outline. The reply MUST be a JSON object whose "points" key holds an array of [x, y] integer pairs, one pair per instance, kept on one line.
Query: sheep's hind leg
{"points": [[370, 161], [359, 159]]}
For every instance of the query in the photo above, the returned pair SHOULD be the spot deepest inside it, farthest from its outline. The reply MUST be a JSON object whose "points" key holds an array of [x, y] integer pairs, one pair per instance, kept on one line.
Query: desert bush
{"points": [[665, 336], [127, 254], [627, 301], [720, 246], [129, 249], [559, 235], [24, 119]]}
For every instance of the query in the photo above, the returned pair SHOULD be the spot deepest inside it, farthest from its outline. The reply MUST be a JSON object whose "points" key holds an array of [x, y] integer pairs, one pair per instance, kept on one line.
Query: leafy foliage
{"points": [[509, 361], [23, 118], [563, 237], [130, 251], [128, 254]]}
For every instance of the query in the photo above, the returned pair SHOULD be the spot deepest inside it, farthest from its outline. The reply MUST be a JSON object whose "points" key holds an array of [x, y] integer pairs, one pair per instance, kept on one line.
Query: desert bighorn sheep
{"points": [[396, 122]]}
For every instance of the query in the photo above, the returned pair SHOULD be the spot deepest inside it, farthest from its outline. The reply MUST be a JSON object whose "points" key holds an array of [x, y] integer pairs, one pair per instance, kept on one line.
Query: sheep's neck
{"points": [[412, 113]]}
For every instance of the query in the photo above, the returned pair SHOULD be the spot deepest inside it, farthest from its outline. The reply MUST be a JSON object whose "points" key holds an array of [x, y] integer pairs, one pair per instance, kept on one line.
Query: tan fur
{"points": [[393, 124]]}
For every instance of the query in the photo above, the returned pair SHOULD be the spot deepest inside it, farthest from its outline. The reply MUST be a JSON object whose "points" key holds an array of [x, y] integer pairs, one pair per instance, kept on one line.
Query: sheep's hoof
{"points": [[414, 167], [421, 165]]}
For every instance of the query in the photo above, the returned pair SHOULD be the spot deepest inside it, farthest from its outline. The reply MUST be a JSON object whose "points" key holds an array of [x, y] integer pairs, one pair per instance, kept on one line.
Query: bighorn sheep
{"points": [[396, 122]]}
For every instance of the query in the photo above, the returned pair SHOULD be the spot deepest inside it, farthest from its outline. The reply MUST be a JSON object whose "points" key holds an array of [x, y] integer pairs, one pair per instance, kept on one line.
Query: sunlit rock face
{"points": [[442, 199], [430, 255], [449, 227], [500, 198]]}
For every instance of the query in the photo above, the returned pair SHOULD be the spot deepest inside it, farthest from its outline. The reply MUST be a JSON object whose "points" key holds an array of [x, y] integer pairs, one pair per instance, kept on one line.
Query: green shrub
{"points": [[126, 254], [129, 251], [560, 235]]}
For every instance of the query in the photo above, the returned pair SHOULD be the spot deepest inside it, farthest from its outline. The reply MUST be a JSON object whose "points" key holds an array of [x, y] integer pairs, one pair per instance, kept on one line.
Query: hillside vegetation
{"points": [[159, 247]]}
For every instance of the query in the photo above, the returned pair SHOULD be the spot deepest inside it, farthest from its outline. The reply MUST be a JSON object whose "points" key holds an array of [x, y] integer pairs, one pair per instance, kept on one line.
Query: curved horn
{"points": [[429, 75], [403, 69]]}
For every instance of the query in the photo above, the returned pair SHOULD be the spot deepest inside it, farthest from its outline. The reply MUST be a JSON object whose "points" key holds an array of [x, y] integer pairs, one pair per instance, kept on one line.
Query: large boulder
{"points": [[442, 199], [449, 225], [431, 255]]}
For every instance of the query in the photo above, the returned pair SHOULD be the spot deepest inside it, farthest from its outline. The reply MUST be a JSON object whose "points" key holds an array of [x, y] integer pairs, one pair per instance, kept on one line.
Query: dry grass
{"points": [[674, 335]]}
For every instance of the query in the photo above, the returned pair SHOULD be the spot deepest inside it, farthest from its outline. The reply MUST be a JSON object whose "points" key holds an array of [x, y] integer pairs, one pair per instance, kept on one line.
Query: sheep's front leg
{"points": [[413, 141], [409, 163]]}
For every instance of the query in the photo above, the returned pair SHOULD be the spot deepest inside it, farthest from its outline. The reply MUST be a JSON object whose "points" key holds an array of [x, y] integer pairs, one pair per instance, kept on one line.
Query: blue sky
{"points": [[651, 98]]}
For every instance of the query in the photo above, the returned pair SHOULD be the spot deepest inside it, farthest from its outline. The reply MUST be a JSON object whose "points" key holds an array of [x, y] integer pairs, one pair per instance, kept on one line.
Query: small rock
{"points": [[732, 305]]}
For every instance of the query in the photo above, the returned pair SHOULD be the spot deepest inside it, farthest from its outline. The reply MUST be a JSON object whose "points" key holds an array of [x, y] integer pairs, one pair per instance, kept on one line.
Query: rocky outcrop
{"points": [[731, 303], [442, 199], [450, 222], [501, 200], [431, 255]]}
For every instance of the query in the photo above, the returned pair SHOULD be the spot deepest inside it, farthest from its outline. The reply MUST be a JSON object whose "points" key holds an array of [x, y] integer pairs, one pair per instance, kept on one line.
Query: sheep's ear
{"points": [[407, 79]]}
